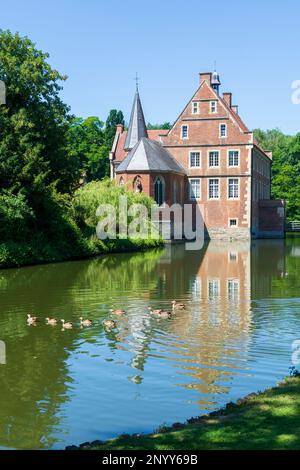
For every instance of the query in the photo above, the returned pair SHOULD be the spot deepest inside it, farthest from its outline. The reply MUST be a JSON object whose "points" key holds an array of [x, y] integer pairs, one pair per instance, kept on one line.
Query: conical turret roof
{"points": [[137, 126]]}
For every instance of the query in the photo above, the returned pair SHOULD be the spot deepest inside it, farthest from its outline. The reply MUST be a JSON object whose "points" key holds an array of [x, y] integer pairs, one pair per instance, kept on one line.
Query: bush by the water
{"points": [[68, 231]]}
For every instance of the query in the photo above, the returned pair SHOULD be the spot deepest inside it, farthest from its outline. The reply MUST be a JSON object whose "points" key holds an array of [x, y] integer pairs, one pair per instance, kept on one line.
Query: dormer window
{"points": [[195, 107], [184, 132], [213, 107]]}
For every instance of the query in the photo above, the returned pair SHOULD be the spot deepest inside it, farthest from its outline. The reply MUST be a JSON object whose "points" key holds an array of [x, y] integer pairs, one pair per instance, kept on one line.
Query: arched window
{"points": [[174, 192], [159, 190], [121, 181], [137, 184]]}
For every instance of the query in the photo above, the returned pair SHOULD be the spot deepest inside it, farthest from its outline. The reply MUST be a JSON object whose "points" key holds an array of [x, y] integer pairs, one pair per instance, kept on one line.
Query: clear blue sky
{"points": [[100, 44]]}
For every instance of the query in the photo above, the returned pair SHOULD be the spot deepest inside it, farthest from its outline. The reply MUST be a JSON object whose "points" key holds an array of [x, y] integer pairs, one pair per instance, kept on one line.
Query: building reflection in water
{"points": [[210, 338], [201, 350]]}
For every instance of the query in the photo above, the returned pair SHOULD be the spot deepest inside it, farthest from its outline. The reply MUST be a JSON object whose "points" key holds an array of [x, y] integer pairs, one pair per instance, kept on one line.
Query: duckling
{"points": [[31, 320], [51, 321], [178, 306], [117, 312], [66, 325], [109, 324], [165, 314], [85, 322], [155, 311]]}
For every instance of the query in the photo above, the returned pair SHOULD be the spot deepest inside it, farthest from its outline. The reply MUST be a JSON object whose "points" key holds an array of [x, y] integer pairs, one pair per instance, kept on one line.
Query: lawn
{"points": [[269, 420]]}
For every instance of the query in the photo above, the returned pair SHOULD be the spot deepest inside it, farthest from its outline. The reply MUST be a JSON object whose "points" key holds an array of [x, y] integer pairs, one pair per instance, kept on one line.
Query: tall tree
{"points": [[114, 118], [34, 158], [87, 144]]}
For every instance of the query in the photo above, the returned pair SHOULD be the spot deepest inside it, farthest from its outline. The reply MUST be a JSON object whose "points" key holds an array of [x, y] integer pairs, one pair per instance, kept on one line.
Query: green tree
{"points": [[165, 125], [35, 165], [114, 118], [87, 144], [285, 167]]}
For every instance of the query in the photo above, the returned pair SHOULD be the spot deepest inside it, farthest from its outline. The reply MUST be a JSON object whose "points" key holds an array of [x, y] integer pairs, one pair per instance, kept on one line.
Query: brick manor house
{"points": [[209, 158]]}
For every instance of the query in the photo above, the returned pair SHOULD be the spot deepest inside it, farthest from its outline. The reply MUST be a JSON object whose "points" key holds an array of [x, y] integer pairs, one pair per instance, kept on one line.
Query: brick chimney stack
{"points": [[227, 97], [205, 76]]}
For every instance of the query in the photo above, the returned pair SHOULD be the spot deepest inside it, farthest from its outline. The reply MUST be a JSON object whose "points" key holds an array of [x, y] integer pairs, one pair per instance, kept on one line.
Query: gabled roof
{"points": [[137, 126], [149, 155]]}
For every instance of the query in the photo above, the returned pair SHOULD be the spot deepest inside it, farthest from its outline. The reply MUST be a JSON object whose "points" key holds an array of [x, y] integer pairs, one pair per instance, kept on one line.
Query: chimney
{"points": [[235, 108], [120, 128], [205, 76], [227, 97]]}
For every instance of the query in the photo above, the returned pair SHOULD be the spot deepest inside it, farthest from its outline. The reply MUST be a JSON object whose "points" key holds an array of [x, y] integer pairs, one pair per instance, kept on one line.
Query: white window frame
{"points": [[233, 294], [211, 105], [215, 292], [219, 190], [187, 132], [235, 198], [197, 110], [237, 222], [228, 163], [192, 198], [190, 153], [220, 133], [208, 159]]}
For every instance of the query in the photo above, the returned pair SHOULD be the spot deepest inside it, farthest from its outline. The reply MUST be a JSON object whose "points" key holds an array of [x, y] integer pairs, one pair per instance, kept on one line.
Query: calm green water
{"points": [[65, 387]]}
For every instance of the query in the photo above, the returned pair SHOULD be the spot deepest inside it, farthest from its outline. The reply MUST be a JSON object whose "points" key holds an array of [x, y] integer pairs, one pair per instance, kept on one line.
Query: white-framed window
{"points": [[233, 289], [223, 130], [195, 159], [213, 287], [184, 132], [233, 256], [213, 158], [194, 188], [195, 107], [233, 223], [233, 188], [213, 188], [233, 157], [213, 107]]}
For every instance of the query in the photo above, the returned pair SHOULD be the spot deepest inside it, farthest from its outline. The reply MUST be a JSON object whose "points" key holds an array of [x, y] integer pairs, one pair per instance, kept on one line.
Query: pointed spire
{"points": [[137, 126]]}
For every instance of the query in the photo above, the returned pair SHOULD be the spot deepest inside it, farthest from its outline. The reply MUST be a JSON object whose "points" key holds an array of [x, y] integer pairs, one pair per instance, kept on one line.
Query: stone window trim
{"points": [[195, 107], [229, 181], [213, 106], [190, 158], [209, 197], [232, 225], [228, 162], [184, 134], [192, 197], [223, 126], [208, 158]]}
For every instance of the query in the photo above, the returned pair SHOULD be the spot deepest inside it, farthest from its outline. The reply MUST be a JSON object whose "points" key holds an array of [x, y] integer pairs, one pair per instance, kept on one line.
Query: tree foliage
{"points": [[285, 167], [35, 165]]}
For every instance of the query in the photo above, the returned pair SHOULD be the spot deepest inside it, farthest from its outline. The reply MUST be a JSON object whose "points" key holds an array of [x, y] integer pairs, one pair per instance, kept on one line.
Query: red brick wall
{"points": [[203, 136]]}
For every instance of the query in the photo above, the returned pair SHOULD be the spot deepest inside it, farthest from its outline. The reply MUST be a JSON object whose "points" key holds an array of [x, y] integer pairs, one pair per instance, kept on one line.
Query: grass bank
{"points": [[268, 420], [38, 250]]}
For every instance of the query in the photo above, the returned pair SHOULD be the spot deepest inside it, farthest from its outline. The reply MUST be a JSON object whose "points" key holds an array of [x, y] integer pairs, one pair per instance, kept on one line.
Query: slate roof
{"points": [[120, 153], [150, 155], [137, 126]]}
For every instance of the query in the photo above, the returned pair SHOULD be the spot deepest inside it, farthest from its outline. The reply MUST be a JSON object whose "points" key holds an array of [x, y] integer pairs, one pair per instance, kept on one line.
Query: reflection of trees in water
{"points": [[36, 381]]}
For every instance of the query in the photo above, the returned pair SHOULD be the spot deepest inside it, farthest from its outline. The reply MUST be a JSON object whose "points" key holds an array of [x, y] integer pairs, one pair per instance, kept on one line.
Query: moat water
{"points": [[64, 387]]}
